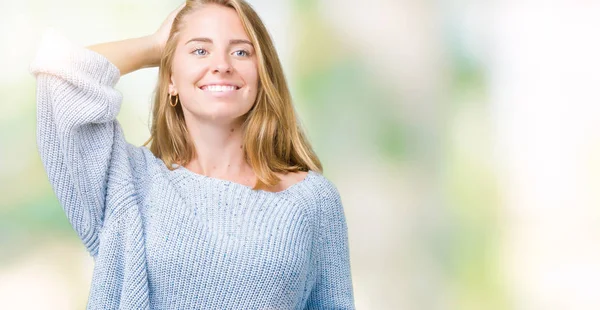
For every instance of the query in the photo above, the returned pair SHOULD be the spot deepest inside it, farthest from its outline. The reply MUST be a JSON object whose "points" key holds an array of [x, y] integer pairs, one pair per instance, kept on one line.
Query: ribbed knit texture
{"points": [[165, 239]]}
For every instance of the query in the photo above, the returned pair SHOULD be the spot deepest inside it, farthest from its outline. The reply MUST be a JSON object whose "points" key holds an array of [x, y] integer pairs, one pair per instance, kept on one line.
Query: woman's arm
{"points": [[79, 139], [133, 54], [333, 288], [76, 130]]}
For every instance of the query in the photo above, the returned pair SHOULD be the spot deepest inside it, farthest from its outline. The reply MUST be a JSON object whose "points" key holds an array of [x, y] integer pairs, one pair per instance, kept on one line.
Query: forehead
{"points": [[214, 22]]}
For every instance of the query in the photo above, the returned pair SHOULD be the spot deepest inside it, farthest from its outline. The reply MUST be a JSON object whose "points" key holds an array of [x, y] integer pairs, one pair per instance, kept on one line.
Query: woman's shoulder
{"points": [[313, 184], [322, 194], [288, 180], [324, 185]]}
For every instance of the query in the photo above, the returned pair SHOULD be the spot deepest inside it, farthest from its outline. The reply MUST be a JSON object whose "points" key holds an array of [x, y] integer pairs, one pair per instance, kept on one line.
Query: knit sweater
{"points": [[174, 239]]}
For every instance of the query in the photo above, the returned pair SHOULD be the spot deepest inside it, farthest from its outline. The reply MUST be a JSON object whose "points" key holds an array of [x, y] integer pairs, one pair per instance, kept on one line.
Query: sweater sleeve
{"points": [[77, 107], [333, 287]]}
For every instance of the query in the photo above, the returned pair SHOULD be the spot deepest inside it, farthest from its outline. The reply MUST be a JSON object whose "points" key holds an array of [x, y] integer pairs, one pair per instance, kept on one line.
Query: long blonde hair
{"points": [[273, 139]]}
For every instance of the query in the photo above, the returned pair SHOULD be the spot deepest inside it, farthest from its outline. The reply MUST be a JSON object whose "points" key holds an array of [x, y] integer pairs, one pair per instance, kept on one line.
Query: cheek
{"points": [[253, 77], [249, 73], [250, 76], [178, 74], [185, 72]]}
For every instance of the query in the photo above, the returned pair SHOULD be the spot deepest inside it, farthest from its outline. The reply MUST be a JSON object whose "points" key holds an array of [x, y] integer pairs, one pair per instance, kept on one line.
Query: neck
{"points": [[219, 150]]}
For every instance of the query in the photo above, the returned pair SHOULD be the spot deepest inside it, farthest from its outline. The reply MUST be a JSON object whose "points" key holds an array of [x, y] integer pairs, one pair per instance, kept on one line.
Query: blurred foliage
{"points": [[345, 103]]}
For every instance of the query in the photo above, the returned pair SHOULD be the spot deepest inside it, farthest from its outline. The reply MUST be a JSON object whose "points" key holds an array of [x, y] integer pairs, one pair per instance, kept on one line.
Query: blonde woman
{"points": [[225, 206]]}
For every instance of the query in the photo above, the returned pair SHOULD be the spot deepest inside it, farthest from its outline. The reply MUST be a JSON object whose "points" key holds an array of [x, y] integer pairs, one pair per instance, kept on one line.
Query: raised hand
{"points": [[162, 34], [133, 54]]}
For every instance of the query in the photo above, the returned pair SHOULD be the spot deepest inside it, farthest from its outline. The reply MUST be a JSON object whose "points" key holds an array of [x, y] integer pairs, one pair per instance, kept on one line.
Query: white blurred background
{"points": [[464, 137]]}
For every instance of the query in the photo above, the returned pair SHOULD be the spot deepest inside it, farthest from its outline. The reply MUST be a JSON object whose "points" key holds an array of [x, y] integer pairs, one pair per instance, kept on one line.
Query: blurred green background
{"points": [[463, 137]]}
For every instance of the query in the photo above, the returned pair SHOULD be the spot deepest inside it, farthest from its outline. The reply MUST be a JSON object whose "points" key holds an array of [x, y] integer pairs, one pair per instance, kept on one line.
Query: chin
{"points": [[222, 116], [218, 111]]}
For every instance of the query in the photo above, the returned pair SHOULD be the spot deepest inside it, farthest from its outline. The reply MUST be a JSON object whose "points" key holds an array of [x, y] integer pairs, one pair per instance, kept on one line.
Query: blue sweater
{"points": [[165, 239]]}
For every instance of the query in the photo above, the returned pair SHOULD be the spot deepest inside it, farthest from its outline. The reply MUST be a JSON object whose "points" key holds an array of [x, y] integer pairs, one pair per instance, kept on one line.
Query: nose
{"points": [[221, 64]]}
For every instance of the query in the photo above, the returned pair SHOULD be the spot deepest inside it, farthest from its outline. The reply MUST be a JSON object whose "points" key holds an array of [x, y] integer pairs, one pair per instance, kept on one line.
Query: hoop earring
{"points": [[171, 100]]}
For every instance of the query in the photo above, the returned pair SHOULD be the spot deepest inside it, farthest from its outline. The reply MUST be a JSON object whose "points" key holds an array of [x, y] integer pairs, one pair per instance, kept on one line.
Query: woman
{"points": [[227, 208]]}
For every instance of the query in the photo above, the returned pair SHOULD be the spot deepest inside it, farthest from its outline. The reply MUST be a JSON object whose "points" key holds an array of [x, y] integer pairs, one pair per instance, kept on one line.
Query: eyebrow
{"points": [[231, 42]]}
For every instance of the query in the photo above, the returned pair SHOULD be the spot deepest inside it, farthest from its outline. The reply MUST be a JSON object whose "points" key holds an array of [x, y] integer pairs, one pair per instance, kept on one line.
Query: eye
{"points": [[200, 52], [242, 53]]}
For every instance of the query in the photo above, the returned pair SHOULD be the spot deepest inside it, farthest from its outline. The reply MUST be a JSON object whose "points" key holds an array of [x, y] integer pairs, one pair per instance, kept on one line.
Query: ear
{"points": [[172, 88]]}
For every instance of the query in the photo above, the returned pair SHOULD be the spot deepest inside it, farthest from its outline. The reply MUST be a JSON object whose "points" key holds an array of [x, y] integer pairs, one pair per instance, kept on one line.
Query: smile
{"points": [[219, 88]]}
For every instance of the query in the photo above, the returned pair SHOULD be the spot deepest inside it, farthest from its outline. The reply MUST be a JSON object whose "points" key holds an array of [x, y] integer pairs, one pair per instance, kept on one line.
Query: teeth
{"points": [[219, 88]]}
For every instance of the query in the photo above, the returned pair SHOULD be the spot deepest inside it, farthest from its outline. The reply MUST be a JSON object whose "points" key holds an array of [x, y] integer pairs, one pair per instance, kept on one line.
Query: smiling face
{"points": [[214, 69]]}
